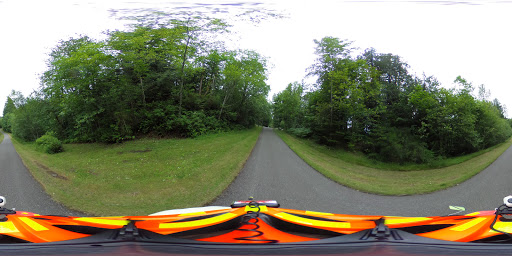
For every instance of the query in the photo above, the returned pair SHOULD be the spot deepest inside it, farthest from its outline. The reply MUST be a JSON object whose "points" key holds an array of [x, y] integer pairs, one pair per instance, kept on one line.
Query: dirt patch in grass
{"points": [[56, 175], [134, 151], [42, 166], [50, 172]]}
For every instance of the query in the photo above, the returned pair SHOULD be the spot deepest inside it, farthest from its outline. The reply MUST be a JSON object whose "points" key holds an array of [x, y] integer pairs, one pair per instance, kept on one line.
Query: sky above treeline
{"points": [[440, 38]]}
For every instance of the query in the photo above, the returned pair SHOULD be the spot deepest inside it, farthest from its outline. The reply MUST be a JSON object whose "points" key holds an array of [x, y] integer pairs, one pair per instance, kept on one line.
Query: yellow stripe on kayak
{"points": [[404, 220], [32, 224], [503, 226], [263, 208], [468, 225], [196, 223], [7, 227], [104, 221], [317, 223], [318, 213]]}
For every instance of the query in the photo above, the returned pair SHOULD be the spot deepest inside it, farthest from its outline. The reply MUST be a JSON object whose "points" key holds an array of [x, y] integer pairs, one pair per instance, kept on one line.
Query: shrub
{"points": [[7, 122], [50, 144], [401, 146], [193, 124], [301, 132]]}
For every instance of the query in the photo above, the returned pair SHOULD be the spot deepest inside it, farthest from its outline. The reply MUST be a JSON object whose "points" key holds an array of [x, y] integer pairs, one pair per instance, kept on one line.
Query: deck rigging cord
{"points": [[252, 218], [505, 211]]}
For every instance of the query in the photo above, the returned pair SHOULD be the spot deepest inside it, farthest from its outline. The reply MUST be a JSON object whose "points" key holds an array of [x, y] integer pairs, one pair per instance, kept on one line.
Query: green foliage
{"points": [[371, 104], [288, 107], [346, 105], [263, 112], [163, 80], [9, 106], [490, 124], [49, 144], [169, 79], [194, 123], [7, 122], [402, 146], [8, 114], [301, 132], [244, 89], [31, 121]]}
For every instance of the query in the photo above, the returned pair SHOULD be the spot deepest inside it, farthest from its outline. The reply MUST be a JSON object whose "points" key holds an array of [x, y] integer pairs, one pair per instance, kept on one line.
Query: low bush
{"points": [[50, 144], [400, 146], [194, 123], [301, 132]]}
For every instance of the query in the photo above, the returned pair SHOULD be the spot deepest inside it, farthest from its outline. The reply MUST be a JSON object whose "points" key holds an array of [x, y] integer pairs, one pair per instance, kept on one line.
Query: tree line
{"points": [[372, 104], [172, 80], [179, 80]]}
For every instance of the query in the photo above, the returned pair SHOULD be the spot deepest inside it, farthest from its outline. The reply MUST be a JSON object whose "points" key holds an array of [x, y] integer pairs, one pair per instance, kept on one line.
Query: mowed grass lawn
{"points": [[142, 176], [362, 174]]}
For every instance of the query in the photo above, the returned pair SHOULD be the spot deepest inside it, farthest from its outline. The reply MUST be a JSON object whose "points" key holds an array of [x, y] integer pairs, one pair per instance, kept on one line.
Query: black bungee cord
{"points": [[502, 210], [252, 218]]}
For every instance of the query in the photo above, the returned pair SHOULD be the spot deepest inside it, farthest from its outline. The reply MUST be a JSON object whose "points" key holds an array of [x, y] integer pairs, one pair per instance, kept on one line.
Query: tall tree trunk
{"points": [[223, 103], [331, 104], [143, 93], [212, 85], [201, 83]]}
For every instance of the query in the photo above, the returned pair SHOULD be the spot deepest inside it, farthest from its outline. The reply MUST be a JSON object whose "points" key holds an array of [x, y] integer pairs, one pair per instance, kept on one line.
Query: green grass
{"points": [[142, 176], [1, 137], [361, 173]]}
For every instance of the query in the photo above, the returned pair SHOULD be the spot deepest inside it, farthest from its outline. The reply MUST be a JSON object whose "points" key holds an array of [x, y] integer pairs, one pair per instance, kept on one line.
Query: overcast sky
{"points": [[440, 38]]}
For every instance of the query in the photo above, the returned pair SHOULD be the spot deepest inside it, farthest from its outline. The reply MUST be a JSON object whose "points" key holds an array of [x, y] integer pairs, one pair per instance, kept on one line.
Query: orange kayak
{"points": [[253, 223]]}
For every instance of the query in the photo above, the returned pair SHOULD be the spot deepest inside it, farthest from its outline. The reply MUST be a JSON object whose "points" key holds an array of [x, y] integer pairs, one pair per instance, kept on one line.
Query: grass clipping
{"points": [[361, 174], [142, 176]]}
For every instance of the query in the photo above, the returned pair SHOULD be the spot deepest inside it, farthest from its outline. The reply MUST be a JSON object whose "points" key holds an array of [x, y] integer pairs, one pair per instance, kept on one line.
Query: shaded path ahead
{"points": [[19, 187], [274, 171]]}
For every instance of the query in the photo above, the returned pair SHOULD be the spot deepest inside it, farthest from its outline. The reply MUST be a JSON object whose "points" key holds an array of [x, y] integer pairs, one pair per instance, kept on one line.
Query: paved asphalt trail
{"points": [[274, 171], [19, 187]]}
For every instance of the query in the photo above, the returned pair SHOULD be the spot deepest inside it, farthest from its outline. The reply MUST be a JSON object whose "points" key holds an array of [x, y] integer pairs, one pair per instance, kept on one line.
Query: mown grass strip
{"points": [[142, 176], [1, 137], [385, 181]]}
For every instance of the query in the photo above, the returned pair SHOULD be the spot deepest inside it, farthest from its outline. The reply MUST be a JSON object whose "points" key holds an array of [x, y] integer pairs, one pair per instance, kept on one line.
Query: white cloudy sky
{"points": [[442, 38]]}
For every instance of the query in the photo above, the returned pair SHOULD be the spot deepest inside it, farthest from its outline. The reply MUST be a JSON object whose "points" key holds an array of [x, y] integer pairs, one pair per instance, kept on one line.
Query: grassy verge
{"points": [[1, 137], [334, 165], [142, 176]]}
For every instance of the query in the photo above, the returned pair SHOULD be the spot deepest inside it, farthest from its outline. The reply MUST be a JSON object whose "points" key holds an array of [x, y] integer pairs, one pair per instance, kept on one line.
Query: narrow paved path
{"points": [[274, 171], [22, 192]]}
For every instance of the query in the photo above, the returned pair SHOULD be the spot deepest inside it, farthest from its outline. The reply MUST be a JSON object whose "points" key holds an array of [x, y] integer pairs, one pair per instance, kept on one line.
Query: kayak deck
{"points": [[252, 224]]}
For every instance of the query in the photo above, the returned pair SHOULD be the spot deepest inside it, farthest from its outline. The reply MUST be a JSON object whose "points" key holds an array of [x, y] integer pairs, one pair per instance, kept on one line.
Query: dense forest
{"points": [[372, 104], [179, 80], [173, 80]]}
